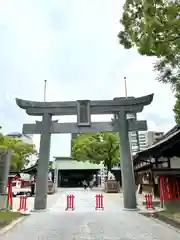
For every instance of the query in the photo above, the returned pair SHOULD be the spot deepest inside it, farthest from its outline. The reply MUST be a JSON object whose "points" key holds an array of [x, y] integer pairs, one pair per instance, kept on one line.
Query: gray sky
{"points": [[73, 44]]}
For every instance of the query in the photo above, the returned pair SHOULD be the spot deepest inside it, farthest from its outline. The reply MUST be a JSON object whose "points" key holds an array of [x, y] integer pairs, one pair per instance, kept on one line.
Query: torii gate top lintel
{"points": [[97, 106]]}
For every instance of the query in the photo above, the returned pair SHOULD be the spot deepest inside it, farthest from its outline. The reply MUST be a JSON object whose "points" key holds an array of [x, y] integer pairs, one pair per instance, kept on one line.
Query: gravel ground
{"points": [[85, 223]]}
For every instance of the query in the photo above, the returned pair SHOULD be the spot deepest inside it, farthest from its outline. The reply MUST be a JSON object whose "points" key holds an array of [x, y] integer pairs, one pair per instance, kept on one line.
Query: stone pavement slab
{"points": [[85, 201], [85, 223], [51, 199]]}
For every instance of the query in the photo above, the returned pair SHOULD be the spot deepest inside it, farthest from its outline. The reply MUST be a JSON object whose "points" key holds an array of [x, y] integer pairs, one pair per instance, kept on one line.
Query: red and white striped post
{"points": [[70, 202], [23, 203], [99, 202]]}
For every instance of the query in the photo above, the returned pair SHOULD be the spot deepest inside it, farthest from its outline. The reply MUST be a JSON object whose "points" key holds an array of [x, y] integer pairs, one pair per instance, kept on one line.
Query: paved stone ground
{"points": [[85, 223], [30, 201]]}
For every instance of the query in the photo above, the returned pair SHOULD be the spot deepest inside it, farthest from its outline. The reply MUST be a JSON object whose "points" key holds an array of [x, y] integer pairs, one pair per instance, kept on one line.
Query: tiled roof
{"points": [[75, 165]]}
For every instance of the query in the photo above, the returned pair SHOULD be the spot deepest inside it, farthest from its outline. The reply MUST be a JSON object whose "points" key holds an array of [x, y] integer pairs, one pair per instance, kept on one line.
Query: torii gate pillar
{"points": [[40, 202], [127, 170]]}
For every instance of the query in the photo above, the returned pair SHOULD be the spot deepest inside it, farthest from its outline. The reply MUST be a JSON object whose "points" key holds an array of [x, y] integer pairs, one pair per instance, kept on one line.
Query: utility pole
{"points": [[45, 85], [125, 87]]}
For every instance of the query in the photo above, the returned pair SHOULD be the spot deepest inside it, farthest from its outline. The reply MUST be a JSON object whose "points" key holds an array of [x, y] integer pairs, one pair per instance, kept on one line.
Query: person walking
{"points": [[85, 185], [91, 183]]}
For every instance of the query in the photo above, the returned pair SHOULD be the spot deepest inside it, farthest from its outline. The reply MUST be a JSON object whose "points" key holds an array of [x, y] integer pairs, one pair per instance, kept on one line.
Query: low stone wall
{"points": [[147, 188], [171, 204]]}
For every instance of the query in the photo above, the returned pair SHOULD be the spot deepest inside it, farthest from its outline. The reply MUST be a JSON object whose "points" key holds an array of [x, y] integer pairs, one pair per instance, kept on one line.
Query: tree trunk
{"points": [[108, 167]]}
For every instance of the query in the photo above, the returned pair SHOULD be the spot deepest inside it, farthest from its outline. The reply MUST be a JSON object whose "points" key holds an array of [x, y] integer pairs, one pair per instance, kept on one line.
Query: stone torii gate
{"points": [[119, 107]]}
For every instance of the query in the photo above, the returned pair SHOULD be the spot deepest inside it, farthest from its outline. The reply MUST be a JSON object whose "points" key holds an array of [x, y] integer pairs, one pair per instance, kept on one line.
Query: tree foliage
{"points": [[153, 27], [177, 109], [20, 151], [96, 148]]}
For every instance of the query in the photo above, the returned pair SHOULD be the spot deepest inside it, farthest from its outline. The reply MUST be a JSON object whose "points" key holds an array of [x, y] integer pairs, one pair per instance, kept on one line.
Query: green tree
{"points": [[153, 27], [177, 109], [20, 151], [99, 147]]}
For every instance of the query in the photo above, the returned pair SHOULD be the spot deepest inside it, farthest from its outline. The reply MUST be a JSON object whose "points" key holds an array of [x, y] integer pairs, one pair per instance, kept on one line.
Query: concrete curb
{"points": [[11, 225], [41, 210], [166, 221], [150, 211], [131, 210]]}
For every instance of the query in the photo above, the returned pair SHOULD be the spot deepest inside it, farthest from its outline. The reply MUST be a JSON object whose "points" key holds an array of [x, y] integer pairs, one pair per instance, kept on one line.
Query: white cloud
{"points": [[74, 45]]}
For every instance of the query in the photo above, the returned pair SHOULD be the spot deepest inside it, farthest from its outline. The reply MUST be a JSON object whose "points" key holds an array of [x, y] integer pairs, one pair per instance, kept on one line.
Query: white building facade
{"points": [[26, 139]]}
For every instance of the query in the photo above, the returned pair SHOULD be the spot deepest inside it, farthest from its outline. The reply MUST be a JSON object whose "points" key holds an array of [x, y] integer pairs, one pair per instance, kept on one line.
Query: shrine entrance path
{"points": [[85, 223]]}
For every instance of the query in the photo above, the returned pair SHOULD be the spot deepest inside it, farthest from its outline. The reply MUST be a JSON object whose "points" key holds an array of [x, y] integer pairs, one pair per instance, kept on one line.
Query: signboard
{"points": [[83, 113]]}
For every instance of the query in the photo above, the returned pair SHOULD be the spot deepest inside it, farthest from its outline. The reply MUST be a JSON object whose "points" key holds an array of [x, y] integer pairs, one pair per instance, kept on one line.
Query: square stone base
{"points": [[3, 202], [111, 186]]}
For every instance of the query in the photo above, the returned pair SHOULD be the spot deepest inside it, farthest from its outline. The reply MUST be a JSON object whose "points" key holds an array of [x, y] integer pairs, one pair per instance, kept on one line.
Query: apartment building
{"points": [[138, 141], [153, 137]]}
